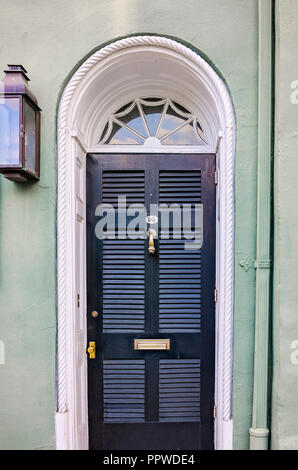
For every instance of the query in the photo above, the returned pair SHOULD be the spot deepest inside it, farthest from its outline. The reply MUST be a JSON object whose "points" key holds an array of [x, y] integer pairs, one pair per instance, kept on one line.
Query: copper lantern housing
{"points": [[19, 127]]}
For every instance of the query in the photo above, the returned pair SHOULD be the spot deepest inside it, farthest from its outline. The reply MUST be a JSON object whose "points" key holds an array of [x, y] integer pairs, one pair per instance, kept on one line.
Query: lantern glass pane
{"points": [[30, 138], [9, 131]]}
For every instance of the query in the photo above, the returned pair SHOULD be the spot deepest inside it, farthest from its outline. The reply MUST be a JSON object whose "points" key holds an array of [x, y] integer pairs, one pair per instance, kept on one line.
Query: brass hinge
{"points": [[216, 177], [215, 295], [214, 411]]}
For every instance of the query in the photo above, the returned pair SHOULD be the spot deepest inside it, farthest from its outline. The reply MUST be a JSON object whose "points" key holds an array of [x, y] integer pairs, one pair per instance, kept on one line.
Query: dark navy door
{"points": [[151, 315]]}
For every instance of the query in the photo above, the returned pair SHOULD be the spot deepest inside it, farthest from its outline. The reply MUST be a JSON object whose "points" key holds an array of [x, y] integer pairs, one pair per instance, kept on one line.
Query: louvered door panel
{"points": [[123, 285], [179, 288], [179, 390], [123, 260], [179, 269], [123, 183], [124, 391], [180, 187]]}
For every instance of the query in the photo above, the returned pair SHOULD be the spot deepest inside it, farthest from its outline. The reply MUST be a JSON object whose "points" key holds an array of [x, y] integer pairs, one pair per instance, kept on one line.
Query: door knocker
{"points": [[151, 235]]}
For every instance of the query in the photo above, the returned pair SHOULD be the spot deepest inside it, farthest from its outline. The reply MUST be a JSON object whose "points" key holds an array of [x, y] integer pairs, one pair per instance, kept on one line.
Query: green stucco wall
{"points": [[285, 315], [49, 39]]}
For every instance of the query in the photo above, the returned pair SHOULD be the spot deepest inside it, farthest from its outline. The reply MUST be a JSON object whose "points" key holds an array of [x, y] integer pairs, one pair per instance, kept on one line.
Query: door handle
{"points": [[92, 350], [151, 235]]}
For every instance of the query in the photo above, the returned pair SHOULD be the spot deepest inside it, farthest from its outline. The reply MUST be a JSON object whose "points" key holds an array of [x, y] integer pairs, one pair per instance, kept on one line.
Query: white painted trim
{"points": [[71, 418], [162, 149], [62, 434]]}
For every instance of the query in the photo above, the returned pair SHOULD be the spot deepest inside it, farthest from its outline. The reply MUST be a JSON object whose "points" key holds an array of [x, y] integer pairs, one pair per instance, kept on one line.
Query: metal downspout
{"points": [[259, 432]]}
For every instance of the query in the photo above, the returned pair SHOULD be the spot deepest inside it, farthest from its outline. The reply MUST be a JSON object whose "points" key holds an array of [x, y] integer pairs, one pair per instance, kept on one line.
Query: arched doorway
{"points": [[136, 67]]}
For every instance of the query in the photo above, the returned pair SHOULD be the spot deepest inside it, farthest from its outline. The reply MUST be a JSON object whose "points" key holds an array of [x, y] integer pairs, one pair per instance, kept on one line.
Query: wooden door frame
{"points": [[71, 415]]}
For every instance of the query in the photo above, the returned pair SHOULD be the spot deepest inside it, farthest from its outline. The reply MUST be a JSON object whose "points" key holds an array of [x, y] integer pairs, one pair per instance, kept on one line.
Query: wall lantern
{"points": [[19, 127]]}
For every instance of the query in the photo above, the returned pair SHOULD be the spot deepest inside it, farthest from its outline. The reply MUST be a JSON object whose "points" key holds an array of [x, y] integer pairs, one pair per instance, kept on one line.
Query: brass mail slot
{"points": [[152, 344]]}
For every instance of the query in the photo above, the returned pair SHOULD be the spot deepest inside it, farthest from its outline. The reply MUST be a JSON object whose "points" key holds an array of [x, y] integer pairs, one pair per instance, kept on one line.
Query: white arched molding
{"points": [[106, 80]]}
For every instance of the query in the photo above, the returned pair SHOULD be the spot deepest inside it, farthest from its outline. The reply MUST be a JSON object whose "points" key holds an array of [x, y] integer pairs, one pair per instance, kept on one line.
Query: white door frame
{"points": [[78, 120]]}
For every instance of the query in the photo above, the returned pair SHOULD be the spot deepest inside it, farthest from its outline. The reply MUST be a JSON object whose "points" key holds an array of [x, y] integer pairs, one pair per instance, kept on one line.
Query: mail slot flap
{"points": [[163, 344]]}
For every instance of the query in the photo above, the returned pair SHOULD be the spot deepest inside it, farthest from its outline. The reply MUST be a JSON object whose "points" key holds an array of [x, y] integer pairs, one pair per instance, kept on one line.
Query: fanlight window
{"points": [[153, 122]]}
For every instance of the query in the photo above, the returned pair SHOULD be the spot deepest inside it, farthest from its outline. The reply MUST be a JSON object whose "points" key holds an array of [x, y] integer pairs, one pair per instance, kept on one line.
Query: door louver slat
{"points": [[179, 390], [124, 391]]}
